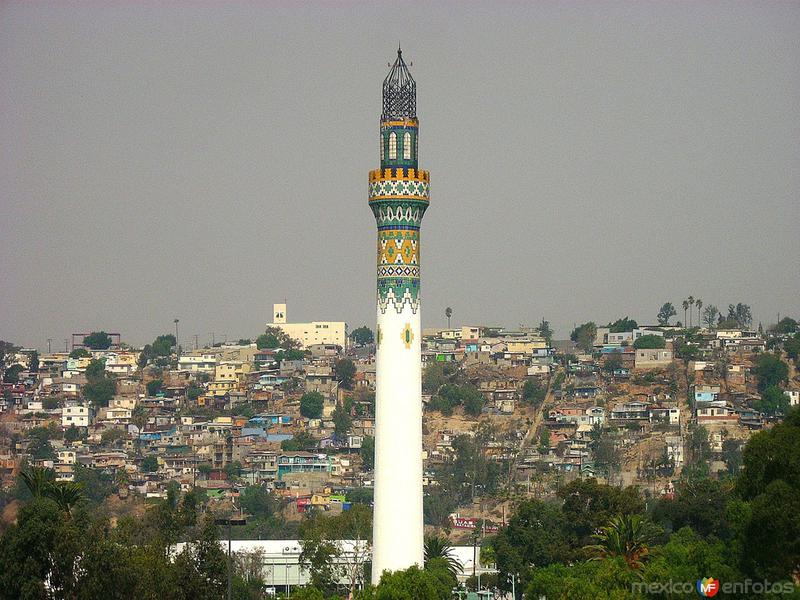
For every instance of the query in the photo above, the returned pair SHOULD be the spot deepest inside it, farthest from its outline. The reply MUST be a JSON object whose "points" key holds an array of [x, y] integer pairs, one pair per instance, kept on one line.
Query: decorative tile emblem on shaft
{"points": [[407, 336]]}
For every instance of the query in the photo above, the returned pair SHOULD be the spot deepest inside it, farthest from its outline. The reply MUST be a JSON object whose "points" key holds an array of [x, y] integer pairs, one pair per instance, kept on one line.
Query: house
{"points": [[706, 393], [302, 462], [79, 416], [652, 358], [716, 414], [197, 362], [634, 409], [665, 414]]}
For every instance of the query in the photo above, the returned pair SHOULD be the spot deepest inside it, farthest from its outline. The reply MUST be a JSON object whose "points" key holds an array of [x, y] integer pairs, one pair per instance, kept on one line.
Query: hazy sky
{"points": [[203, 160]]}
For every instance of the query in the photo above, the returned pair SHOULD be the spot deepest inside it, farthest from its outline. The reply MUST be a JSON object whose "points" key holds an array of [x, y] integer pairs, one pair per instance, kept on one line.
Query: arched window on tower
{"points": [[383, 150], [392, 146], [406, 146]]}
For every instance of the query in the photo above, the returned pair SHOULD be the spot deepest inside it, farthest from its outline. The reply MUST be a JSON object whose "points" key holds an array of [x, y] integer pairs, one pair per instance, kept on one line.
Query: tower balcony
{"points": [[399, 173]]}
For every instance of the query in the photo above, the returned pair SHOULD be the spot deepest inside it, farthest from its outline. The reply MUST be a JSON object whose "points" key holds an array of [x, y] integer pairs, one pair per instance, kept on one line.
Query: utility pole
{"points": [[49, 341], [195, 341], [177, 343], [66, 346], [231, 520]]}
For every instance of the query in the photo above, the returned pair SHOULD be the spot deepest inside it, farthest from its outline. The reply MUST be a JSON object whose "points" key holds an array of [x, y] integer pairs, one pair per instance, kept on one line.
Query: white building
{"points": [[310, 334], [199, 362], [80, 416]]}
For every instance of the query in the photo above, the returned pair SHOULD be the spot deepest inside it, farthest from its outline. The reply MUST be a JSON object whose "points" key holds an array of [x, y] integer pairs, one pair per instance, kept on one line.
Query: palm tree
{"points": [[628, 536], [685, 308], [439, 547], [448, 312], [699, 304], [42, 484], [66, 494], [38, 480], [690, 300], [139, 417]]}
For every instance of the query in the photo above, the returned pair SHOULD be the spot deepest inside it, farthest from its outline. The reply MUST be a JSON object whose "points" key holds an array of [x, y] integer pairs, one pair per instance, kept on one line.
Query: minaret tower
{"points": [[398, 197]]}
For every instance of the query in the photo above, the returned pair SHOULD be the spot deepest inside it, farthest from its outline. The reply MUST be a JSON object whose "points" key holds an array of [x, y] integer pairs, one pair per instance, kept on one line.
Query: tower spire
{"points": [[399, 91]]}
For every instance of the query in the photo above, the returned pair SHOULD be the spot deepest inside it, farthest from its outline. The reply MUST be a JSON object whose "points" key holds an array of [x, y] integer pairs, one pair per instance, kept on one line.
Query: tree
{"points": [[39, 447], [472, 400], [697, 503], [320, 539], [699, 303], [96, 369], [282, 355], [771, 371], [154, 386], [311, 405], [546, 331], [72, 434], [33, 362], [345, 371], [699, 445], [439, 547], [544, 440], [193, 392], [97, 340], [710, 313], [612, 363], [367, 453], [792, 348], [685, 308], [623, 324], [11, 374], [267, 341], [362, 336], [433, 377], [647, 342], [665, 313], [785, 325], [607, 456], [584, 336], [258, 501], [537, 535], [342, 422], [80, 353], [690, 300], [448, 312], [589, 504], [38, 556], [740, 314], [774, 401], [99, 388], [38, 480], [732, 455], [772, 537], [302, 441], [434, 583], [533, 392], [111, 436], [625, 536], [275, 337], [150, 464], [7, 352]]}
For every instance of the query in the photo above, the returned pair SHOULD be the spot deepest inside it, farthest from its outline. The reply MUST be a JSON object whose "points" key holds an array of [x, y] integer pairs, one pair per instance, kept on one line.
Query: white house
{"points": [[80, 416]]}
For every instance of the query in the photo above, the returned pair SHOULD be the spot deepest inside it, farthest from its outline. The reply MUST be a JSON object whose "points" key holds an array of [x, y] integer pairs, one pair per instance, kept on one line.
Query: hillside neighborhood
{"points": [[281, 426]]}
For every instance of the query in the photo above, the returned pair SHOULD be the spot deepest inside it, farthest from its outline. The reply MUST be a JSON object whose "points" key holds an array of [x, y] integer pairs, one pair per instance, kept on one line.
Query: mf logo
{"points": [[707, 587]]}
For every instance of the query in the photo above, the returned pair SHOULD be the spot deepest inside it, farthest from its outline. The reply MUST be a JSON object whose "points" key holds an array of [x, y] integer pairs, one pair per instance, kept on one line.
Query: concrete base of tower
{"points": [[397, 519]]}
